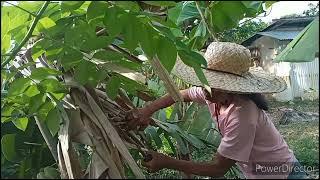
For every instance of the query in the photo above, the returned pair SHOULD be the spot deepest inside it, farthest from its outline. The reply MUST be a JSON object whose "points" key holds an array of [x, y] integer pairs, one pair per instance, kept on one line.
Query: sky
{"points": [[283, 8]]}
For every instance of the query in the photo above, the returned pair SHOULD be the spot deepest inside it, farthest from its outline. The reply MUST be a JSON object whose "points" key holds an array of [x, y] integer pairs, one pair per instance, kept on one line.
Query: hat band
{"points": [[209, 69]]}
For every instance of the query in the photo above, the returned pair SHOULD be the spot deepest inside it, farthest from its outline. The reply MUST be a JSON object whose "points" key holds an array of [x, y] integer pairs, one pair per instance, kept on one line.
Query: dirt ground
{"points": [[298, 122]]}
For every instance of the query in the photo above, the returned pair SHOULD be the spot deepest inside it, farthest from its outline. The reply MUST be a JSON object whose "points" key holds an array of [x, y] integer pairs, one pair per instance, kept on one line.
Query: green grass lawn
{"points": [[303, 140]]}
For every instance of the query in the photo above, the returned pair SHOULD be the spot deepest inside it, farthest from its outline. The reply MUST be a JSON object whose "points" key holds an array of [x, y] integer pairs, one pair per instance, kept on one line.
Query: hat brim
{"points": [[254, 81]]}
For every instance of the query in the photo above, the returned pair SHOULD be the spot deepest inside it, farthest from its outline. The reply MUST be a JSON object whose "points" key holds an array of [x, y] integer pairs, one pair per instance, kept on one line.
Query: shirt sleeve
{"points": [[196, 95], [239, 134]]}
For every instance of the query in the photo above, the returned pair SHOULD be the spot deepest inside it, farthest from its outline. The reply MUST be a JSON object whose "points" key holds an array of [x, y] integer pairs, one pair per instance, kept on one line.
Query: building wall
{"points": [[300, 77]]}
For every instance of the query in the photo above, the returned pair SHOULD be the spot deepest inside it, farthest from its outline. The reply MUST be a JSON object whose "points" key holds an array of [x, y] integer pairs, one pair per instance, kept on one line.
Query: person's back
{"points": [[248, 136]]}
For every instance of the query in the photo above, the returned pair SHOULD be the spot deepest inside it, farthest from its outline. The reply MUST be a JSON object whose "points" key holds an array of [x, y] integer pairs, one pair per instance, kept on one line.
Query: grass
{"points": [[303, 139]]}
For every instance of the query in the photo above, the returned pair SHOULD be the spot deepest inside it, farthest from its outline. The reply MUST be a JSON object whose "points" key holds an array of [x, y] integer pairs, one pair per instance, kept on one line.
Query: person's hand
{"points": [[138, 118], [158, 161]]}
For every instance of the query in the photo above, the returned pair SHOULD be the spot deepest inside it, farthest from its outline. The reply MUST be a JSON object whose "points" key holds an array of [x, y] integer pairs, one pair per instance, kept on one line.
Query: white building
{"points": [[302, 78]]}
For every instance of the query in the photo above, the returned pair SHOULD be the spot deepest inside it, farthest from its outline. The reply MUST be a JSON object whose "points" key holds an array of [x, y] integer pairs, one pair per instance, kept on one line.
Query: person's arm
{"points": [[216, 168], [163, 102], [142, 115]]}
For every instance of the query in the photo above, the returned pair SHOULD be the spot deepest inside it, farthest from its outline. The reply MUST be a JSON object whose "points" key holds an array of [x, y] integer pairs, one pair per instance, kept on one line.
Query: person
{"points": [[249, 138]]}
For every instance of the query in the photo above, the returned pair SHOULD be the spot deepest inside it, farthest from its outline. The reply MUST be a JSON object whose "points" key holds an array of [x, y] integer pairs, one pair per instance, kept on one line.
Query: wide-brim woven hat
{"points": [[228, 69]]}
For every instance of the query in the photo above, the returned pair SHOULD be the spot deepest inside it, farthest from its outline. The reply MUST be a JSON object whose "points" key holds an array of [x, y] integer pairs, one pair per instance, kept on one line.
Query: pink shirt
{"points": [[248, 136]]}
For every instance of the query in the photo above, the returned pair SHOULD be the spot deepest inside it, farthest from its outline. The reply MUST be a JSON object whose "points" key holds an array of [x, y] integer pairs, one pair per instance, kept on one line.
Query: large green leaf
{"points": [[181, 144], [148, 41], [167, 53], [96, 10], [35, 102], [183, 11], [132, 32], [108, 55], [70, 5], [44, 73], [53, 121], [21, 123], [71, 58], [53, 86], [96, 43], [6, 111], [113, 14], [18, 86], [87, 73], [32, 91], [45, 23], [8, 147], [44, 110]]}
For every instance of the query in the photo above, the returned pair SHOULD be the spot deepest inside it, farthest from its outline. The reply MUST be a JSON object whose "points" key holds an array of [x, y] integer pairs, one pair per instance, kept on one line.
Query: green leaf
{"points": [[44, 73], [155, 136], [35, 102], [70, 5], [87, 73], [128, 5], [112, 87], [6, 111], [254, 8], [44, 110], [53, 121], [45, 23], [181, 144], [113, 14], [18, 86], [71, 58], [53, 86], [32, 91], [21, 123], [96, 10], [161, 3], [96, 43], [39, 48], [192, 58], [108, 55], [132, 33], [170, 142], [149, 40], [200, 75], [201, 29], [167, 53], [8, 147], [227, 14], [183, 11]]}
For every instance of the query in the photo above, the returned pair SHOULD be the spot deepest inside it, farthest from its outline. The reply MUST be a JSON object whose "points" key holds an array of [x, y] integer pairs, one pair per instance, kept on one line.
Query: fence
{"points": [[302, 79]]}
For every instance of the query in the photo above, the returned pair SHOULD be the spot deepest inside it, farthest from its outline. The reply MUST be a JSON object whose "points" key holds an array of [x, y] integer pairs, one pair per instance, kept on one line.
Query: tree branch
{"points": [[204, 21], [28, 35], [51, 142], [130, 56], [31, 13]]}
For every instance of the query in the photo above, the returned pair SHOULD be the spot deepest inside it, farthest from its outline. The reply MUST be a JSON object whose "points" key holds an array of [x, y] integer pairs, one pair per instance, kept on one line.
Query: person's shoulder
{"points": [[245, 108]]}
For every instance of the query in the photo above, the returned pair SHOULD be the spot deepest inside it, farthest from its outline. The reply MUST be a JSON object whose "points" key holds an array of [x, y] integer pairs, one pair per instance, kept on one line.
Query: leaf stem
{"points": [[204, 21], [28, 35], [31, 13]]}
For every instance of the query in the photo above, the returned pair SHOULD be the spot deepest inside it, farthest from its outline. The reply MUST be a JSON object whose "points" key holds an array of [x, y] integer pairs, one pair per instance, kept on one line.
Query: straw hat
{"points": [[228, 69]]}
